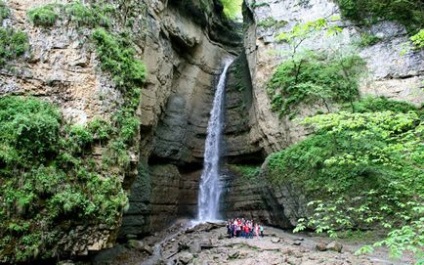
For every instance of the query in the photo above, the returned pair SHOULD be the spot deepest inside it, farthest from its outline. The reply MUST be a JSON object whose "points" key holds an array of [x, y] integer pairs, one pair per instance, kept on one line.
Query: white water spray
{"points": [[210, 184]]}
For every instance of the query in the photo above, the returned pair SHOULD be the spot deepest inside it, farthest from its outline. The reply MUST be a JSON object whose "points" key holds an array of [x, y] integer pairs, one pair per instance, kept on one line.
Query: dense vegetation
{"points": [[360, 171], [53, 183], [49, 179], [76, 12], [409, 13]]}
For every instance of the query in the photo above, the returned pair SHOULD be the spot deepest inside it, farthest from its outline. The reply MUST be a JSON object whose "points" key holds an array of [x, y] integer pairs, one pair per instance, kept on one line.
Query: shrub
{"points": [[117, 57], [418, 39], [359, 171], [30, 130], [47, 188], [314, 78], [12, 44], [409, 13], [270, 22], [44, 16], [4, 11], [368, 40], [232, 8], [378, 104]]}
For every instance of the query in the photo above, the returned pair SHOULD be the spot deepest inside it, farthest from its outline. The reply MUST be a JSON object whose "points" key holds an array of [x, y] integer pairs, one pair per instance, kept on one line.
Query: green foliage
{"points": [[360, 171], [4, 11], [49, 181], [270, 22], [44, 16], [13, 43], [232, 8], [29, 130], [82, 15], [100, 129], [117, 57], [89, 15], [248, 172], [258, 4], [409, 13], [312, 78], [308, 76], [418, 39], [368, 40], [378, 104], [408, 238], [302, 31], [50, 177]]}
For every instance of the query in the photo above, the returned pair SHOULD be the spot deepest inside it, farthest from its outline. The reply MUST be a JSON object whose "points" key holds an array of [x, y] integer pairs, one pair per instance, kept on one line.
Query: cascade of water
{"points": [[210, 185]]}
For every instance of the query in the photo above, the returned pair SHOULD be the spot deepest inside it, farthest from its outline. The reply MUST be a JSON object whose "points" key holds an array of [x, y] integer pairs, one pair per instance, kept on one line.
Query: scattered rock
{"points": [[276, 240], [206, 244], [195, 246], [297, 243], [185, 257], [335, 246], [136, 244], [321, 247], [234, 254], [148, 249]]}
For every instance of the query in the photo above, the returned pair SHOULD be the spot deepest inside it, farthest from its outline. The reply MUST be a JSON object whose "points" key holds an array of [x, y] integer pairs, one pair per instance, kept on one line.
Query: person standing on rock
{"points": [[256, 230], [261, 229]]}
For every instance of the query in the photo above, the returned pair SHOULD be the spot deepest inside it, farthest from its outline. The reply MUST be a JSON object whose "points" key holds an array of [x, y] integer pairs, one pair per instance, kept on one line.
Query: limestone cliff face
{"points": [[182, 45], [394, 70]]}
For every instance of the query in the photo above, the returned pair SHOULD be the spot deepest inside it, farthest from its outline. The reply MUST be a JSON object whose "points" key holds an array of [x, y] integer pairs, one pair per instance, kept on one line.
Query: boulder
{"points": [[321, 247], [234, 254], [335, 246], [276, 240], [185, 257]]}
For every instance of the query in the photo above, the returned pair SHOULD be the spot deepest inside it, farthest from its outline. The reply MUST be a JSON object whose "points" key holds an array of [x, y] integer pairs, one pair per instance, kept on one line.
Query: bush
{"points": [[44, 16], [89, 16], [30, 130], [314, 78], [47, 188], [12, 44], [418, 39], [358, 171], [232, 8], [378, 104], [368, 40], [117, 57], [409, 13], [4, 11], [270, 22]]}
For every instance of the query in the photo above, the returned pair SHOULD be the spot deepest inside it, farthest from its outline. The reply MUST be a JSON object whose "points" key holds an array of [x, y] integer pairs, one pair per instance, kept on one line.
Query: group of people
{"points": [[239, 227]]}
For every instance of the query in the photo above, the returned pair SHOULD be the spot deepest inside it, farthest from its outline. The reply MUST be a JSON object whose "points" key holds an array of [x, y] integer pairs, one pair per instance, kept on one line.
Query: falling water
{"points": [[210, 185]]}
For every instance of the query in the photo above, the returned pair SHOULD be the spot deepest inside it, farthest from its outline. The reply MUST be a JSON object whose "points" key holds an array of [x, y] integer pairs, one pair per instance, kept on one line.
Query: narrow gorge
{"points": [[105, 106]]}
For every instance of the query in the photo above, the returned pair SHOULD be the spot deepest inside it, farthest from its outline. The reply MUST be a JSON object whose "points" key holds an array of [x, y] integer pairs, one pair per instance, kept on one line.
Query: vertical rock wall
{"points": [[395, 70]]}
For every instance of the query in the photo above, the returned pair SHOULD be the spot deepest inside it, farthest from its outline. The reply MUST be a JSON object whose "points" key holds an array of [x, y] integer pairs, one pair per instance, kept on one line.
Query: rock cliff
{"points": [[394, 70], [182, 44]]}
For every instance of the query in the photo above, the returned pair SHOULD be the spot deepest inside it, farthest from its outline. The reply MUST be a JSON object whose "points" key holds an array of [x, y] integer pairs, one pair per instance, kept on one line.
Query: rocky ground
{"points": [[206, 244]]}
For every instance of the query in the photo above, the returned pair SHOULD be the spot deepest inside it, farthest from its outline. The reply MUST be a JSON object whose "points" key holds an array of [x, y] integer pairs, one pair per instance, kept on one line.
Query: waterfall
{"points": [[210, 184]]}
